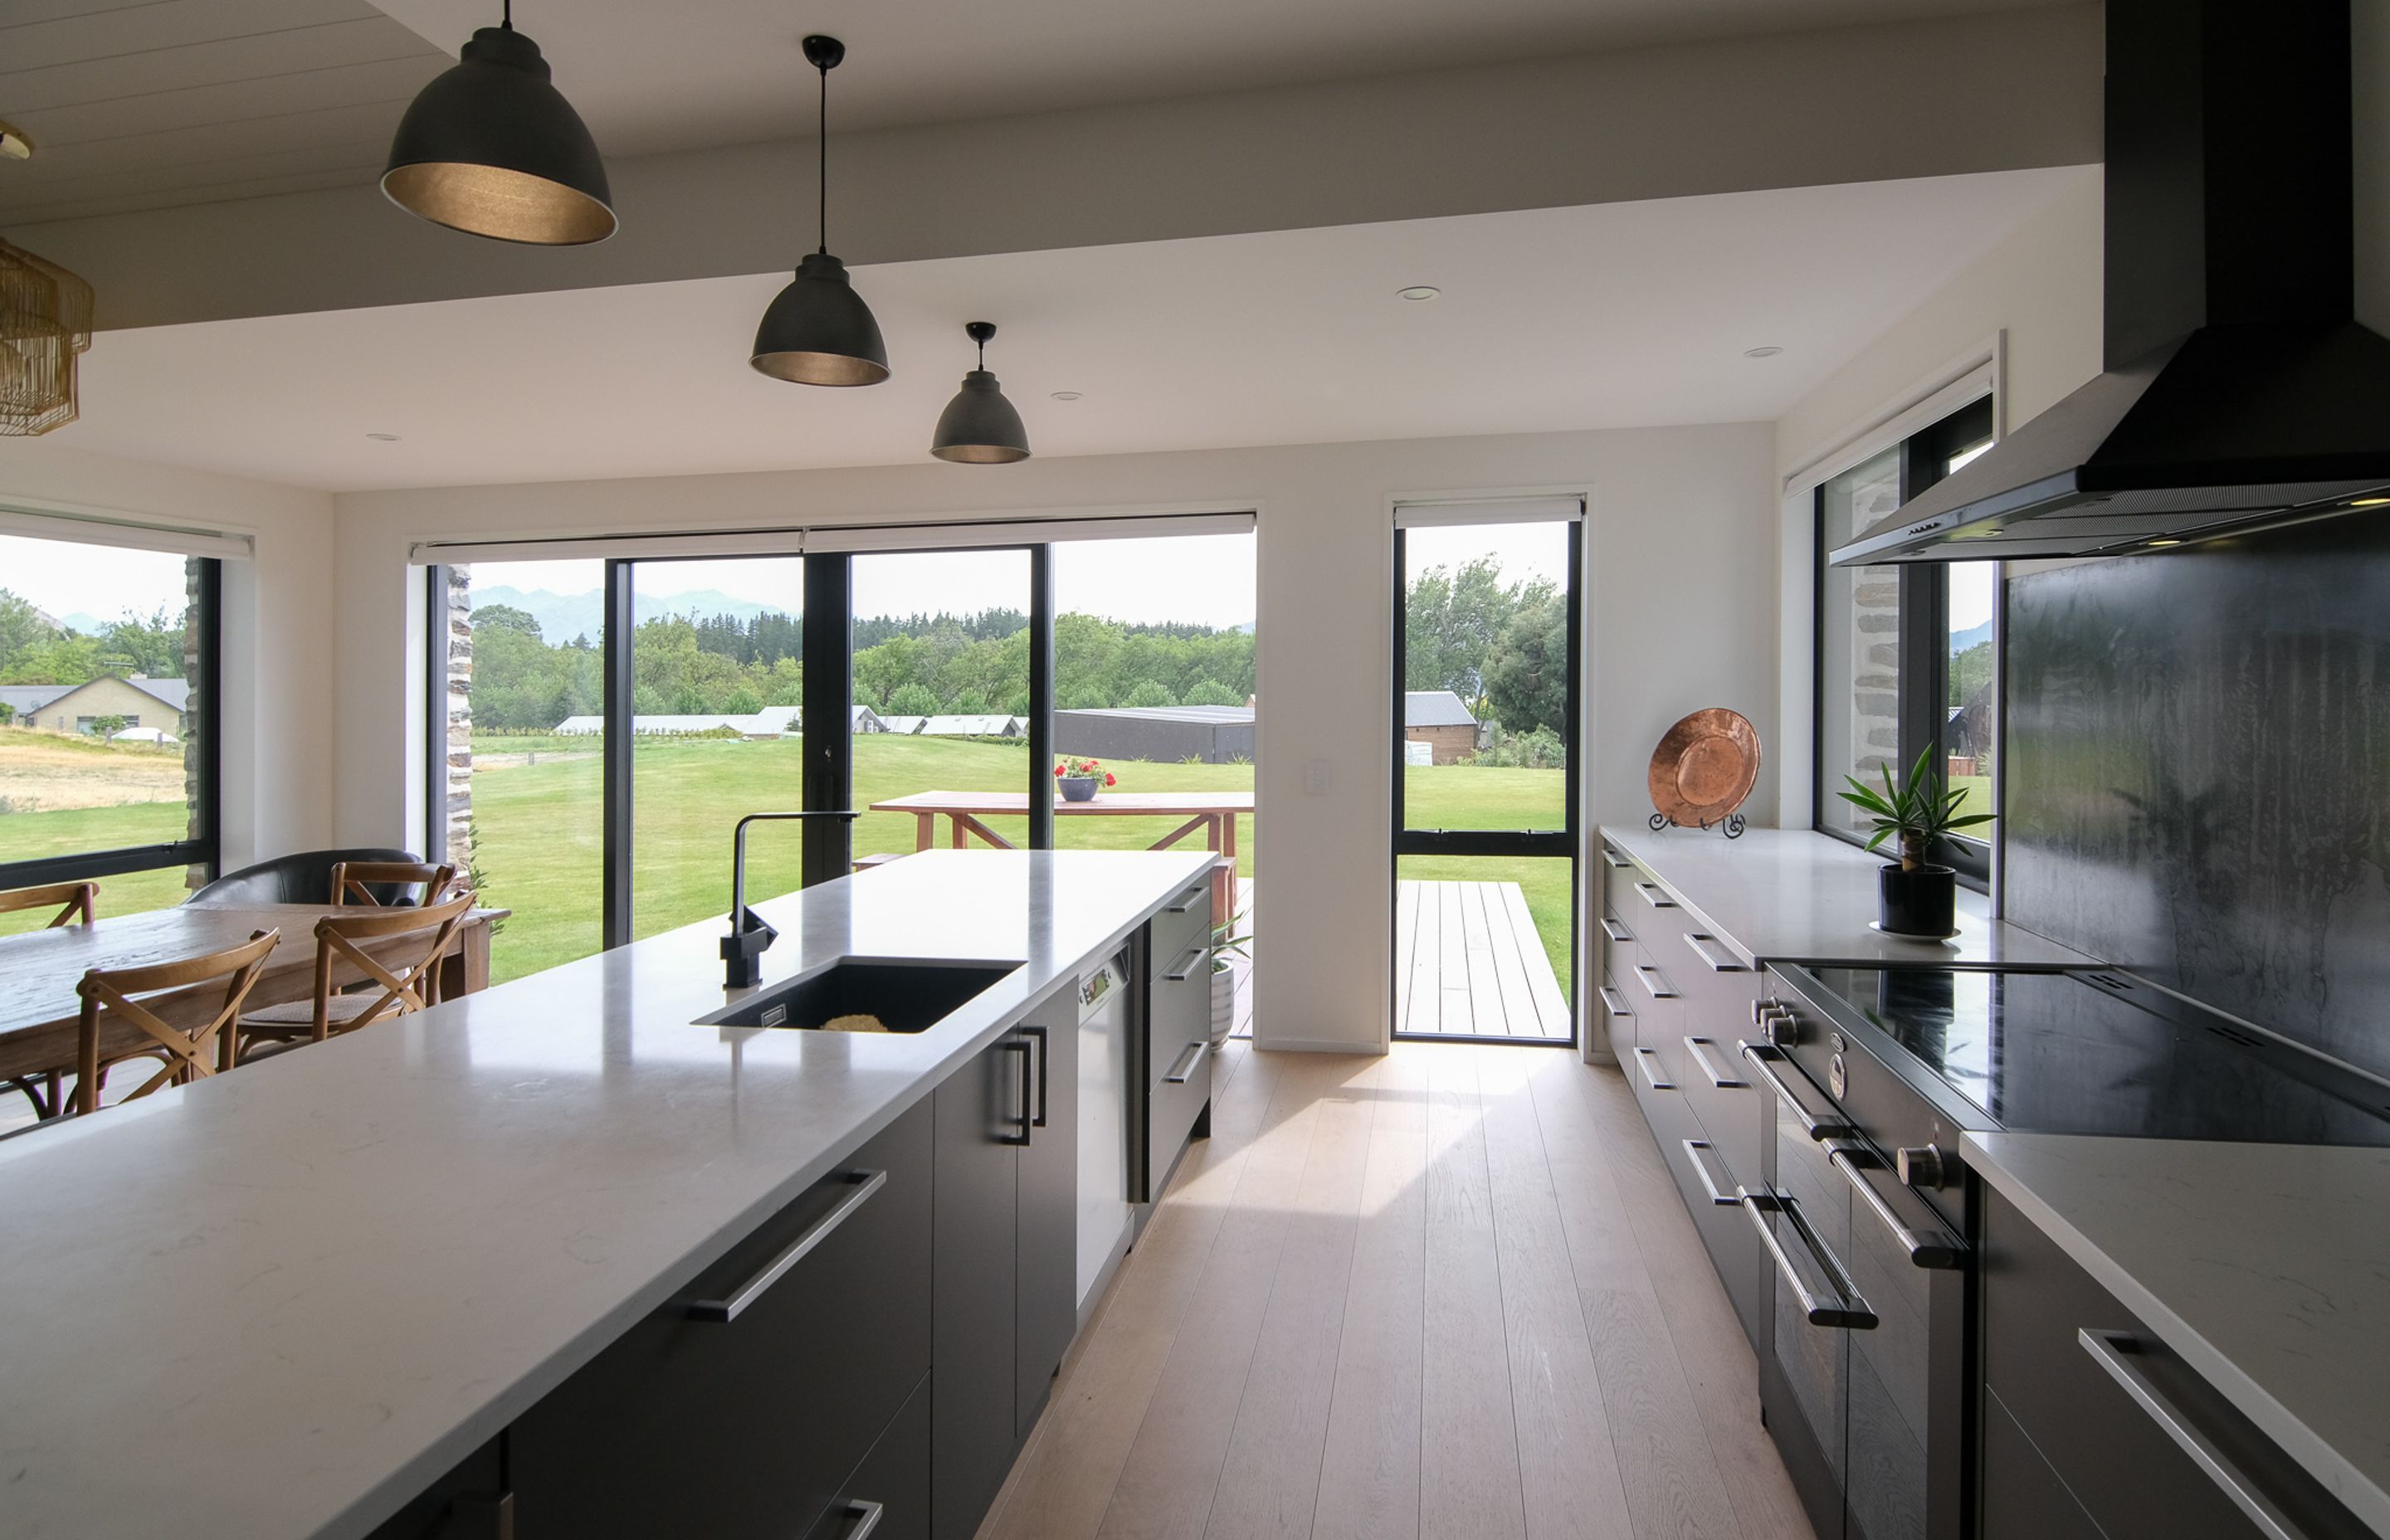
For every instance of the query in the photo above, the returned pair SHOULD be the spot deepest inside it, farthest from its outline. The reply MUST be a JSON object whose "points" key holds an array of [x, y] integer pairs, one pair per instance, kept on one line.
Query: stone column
{"points": [[460, 757]]}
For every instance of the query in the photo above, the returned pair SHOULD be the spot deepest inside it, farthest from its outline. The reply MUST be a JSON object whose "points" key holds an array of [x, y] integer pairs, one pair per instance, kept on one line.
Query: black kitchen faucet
{"points": [[742, 949]]}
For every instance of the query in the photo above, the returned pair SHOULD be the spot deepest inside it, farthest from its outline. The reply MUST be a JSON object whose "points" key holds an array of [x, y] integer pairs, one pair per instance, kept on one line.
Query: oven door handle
{"points": [[1817, 1125], [2116, 1352], [1850, 1312], [1940, 1250]]}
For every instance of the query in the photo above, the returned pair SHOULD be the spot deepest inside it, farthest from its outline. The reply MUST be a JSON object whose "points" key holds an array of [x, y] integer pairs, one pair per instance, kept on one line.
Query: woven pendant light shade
{"points": [[45, 326]]}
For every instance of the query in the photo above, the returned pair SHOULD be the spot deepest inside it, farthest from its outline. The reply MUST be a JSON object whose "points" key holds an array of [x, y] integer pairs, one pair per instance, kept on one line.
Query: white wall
{"points": [[1681, 611], [278, 612]]}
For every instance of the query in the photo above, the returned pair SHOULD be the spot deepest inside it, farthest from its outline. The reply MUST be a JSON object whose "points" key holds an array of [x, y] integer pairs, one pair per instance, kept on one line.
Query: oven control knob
{"points": [[1921, 1166], [1783, 1027]]}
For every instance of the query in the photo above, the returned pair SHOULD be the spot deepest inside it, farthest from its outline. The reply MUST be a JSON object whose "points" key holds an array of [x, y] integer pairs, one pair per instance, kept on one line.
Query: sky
{"points": [[1206, 579], [1525, 551], [103, 582]]}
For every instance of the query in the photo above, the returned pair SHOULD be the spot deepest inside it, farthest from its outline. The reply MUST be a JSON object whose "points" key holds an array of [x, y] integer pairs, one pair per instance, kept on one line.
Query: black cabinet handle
{"points": [[1817, 1125], [1720, 1196], [1941, 1250], [1188, 1058], [1185, 965], [1028, 1090], [2116, 1352], [1849, 1311], [864, 1518], [1044, 1049], [1720, 960], [865, 1183], [1720, 1080]]}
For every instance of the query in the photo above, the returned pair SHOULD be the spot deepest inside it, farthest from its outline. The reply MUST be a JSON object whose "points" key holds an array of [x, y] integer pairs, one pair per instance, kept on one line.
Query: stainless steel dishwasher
{"points": [[1106, 1021]]}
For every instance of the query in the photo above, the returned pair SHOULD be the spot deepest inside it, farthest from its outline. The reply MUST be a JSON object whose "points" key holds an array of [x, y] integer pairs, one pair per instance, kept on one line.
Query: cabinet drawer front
{"points": [[1618, 1015], [2109, 1446], [1180, 1016], [1719, 1084], [1185, 921], [1171, 1108], [744, 1428], [1703, 1178], [887, 1496]]}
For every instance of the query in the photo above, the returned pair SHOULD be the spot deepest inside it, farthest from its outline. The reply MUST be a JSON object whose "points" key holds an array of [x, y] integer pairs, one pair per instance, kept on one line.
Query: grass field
{"points": [[60, 793], [539, 842]]}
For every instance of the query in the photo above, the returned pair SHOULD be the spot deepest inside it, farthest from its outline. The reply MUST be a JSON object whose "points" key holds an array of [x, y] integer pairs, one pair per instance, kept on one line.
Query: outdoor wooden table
{"points": [[39, 970], [1213, 812]]}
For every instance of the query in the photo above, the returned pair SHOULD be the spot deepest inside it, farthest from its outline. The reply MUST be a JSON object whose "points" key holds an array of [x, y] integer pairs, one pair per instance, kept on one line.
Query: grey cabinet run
{"points": [[731, 1412], [1046, 1231], [2092, 1426]]}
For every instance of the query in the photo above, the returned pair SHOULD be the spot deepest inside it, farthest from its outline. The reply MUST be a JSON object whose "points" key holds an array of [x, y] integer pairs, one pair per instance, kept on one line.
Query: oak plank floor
{"points": [[1446, 1292]]}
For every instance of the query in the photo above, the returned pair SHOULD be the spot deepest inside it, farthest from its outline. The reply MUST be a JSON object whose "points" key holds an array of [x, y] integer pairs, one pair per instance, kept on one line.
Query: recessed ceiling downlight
{"points": [[1418, 292], [1770, 351], [1068, 396], [383, 438]]}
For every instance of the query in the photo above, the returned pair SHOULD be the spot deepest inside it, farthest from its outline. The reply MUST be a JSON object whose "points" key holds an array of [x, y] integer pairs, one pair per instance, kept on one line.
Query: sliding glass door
{"points": [[1486, 821]]}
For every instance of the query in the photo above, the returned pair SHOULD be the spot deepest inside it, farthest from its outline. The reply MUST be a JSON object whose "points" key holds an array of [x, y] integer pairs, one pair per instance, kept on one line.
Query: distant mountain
{"points": [[90, 625], [1961, 640], [1245, 626], [562, 617]]}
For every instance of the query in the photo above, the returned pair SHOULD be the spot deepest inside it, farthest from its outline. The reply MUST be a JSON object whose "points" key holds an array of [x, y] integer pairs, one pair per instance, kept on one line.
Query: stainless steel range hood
{"points": [[2239, 390]]}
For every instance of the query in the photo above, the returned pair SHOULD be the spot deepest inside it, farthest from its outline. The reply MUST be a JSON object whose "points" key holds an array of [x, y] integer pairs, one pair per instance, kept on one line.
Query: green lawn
{"points": [[539, 851], [24, 835]]}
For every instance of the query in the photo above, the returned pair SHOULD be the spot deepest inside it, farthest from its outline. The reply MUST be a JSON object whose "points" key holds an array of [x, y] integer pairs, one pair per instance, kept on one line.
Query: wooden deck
{"points": [[1468, 963]]}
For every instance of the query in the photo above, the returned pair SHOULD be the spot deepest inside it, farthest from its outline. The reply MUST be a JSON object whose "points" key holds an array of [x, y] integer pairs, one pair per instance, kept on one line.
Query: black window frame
{"points": [[203, 849], [1923, 709]]}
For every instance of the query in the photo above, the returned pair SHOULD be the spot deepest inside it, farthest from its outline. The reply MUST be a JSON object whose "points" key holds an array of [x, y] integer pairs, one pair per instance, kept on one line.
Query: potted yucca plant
{"points": [[1227, 943], [1914, 896]]}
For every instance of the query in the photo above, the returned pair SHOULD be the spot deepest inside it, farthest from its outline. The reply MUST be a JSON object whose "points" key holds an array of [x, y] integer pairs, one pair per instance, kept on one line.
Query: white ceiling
{"points": [[1624, 314], [652, 76], [163, 102], [140, 104]]}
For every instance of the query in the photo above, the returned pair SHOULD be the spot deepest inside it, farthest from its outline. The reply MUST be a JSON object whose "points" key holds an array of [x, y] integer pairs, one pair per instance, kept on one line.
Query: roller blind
{"points": [[960, 534], [124, 531], [1492, 510]]}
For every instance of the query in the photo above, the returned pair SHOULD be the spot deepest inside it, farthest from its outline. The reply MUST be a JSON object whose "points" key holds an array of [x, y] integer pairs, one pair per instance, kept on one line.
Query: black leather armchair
{"points": [[302, 877]]}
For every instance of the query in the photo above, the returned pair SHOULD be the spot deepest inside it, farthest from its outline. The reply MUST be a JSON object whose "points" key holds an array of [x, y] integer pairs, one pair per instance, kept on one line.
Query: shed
{"points": [[1443, 721], [1214, 735], [974, 726]]}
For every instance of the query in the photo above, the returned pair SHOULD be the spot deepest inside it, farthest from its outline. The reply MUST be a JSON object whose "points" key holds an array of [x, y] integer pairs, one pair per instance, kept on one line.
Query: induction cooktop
{"points": [[2101, 1052]]}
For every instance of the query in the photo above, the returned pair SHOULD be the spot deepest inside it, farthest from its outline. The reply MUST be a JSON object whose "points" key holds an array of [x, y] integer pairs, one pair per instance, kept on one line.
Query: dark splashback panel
{"points": [[2198, 784]]}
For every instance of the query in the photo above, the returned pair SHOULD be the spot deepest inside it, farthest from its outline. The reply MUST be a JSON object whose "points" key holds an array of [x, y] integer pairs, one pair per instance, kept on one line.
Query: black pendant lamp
{"points": [[818, 332], [492, 148], [979, 427]]}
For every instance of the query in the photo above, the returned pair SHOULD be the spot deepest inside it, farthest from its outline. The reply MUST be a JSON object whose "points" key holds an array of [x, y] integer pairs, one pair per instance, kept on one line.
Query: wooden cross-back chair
{"points": [[184, 1013], [354, 881], [78, 904], [405, 978]]}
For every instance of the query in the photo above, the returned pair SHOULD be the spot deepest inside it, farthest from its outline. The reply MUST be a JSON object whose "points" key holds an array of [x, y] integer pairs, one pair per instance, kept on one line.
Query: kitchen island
{"points": [[284, 1302]]}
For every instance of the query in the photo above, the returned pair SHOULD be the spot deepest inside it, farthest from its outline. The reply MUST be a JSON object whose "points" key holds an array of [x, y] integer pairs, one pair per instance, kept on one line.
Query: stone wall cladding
{"points": [[458, 803]]}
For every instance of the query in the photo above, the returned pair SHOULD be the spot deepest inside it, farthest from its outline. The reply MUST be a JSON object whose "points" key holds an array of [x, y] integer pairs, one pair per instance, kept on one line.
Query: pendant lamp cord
{"points": [[821, 142], [982, 353], [506, 14]]}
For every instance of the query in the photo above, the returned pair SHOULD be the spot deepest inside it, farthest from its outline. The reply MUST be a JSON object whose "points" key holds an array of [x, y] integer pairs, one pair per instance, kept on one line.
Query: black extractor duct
{"points": [[2238, 388]]}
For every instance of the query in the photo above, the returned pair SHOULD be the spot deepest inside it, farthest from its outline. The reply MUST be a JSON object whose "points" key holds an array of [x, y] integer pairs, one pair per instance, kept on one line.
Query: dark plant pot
{"points": [[1078, 788], [1920, 903]]}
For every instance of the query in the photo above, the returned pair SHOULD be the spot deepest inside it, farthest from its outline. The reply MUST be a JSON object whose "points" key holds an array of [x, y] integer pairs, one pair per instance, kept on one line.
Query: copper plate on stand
{"points": [[1704, 767]]}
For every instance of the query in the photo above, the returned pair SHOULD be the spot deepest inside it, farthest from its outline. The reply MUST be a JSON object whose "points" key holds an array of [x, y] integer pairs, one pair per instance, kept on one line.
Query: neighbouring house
{"points": [[903, 725], [866, 720], [154, 704], [974, 726], [1215, 735], [1443, 721]]}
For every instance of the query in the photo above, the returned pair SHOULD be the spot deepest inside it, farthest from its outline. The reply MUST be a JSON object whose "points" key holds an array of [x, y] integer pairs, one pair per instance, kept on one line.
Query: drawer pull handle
{"points": [[1940, 1250], [1720, 960], [1849, 1311], [1817, 1125], [1721, 1197], [1615, 1002], [1037, 1035], [1654, 982], [1720, 1080], [1620, 861], [1178, 970], [864, 1183], [1187, 901], [1653, 896], [1188, 1058], [1616, 931], [864, 1518], [2115, 1352], [1646, 1061]]}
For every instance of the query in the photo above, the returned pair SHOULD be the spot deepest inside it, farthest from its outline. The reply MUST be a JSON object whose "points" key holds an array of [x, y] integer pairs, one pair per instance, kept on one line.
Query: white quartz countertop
{"points": [[2267, 1267], [1796, 895], [278, 1303]]}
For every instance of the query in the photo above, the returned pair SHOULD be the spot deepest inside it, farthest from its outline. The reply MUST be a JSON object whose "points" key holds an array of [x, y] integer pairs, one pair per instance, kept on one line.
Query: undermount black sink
{"points": [[907, 996]]}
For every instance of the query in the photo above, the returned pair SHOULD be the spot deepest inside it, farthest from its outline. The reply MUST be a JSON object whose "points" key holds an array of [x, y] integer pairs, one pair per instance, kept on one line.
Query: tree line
{"points": [[35, 649], [1501, 647], [918, 665]]}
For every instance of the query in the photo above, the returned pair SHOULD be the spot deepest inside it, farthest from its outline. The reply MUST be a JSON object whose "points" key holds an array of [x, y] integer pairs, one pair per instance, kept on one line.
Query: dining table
{"points": [[1213, 813], [40, 1010]]}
